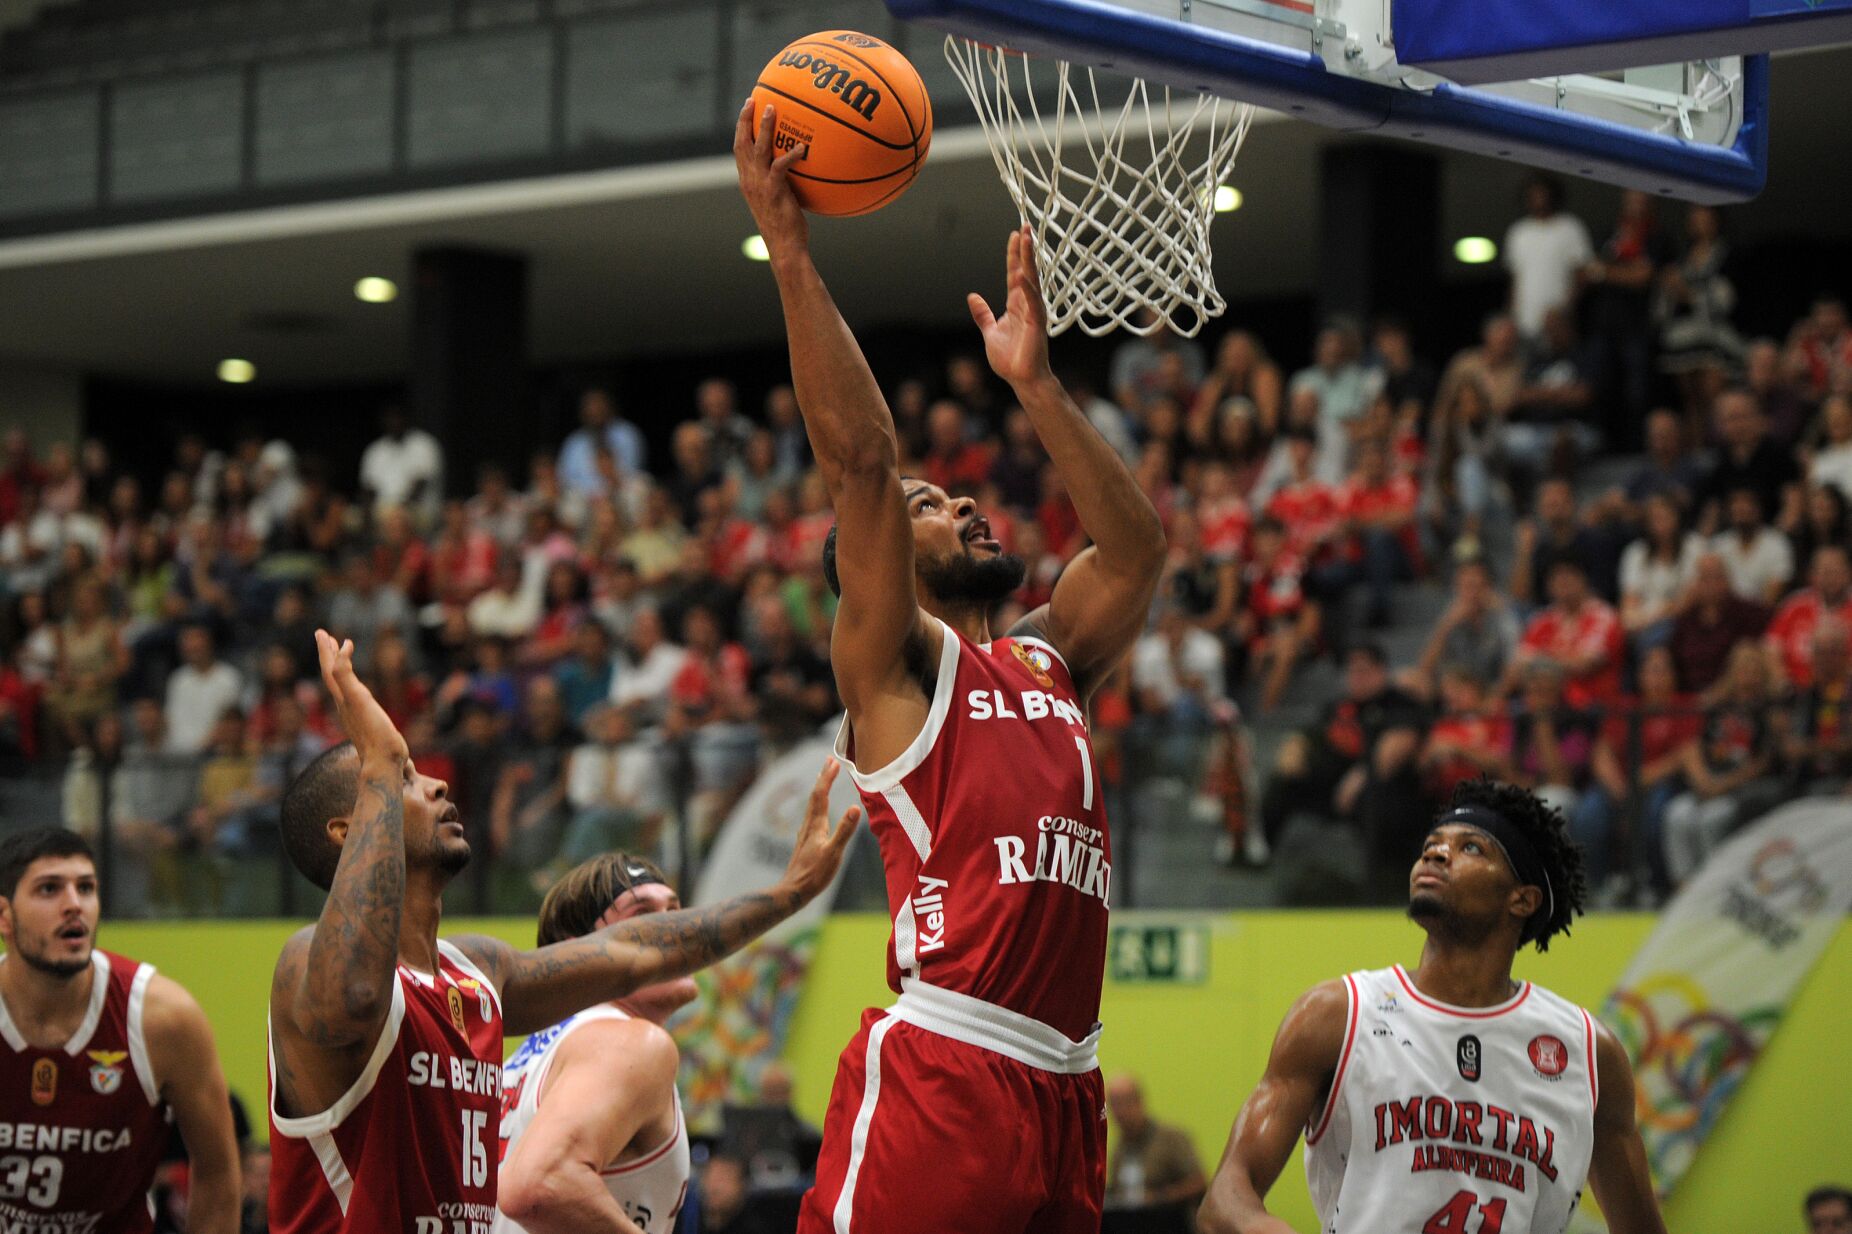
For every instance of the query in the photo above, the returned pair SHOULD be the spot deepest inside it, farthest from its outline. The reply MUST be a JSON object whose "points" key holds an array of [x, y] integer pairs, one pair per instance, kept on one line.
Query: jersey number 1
{"points": [[1452, 1218], [1086, 774]]}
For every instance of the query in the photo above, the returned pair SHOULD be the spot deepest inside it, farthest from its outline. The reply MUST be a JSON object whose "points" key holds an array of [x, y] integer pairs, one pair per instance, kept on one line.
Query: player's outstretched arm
{"points": [[851, 432], [333, 982], [1101, 600], [1297, 1082], [1618, 1173], [191, 1082], [604, 1084], [543, 987]]}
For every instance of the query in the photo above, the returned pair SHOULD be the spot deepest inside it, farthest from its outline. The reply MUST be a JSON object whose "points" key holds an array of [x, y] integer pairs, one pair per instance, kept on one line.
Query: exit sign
{"points": [[1157, 952]]}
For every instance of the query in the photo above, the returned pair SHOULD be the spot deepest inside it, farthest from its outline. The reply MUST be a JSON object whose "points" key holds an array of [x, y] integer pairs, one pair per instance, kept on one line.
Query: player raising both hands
{"points": [[974, 1103], [385, 1041]]}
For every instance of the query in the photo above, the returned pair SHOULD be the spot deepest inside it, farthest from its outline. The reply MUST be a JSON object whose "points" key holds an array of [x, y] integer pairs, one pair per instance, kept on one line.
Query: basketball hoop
{"points": [[1119, 204]]}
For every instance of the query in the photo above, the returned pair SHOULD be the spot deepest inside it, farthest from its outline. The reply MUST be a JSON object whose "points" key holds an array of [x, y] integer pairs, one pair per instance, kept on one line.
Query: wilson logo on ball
{"points": [[856, 94]]}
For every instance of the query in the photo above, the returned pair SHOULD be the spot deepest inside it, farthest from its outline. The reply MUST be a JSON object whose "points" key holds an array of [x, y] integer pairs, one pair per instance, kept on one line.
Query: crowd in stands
{"points": [[590, 642]]}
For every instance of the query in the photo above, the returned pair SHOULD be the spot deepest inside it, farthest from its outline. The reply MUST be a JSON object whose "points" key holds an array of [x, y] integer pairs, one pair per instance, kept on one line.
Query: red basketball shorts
{"points": [[935, 1134]]}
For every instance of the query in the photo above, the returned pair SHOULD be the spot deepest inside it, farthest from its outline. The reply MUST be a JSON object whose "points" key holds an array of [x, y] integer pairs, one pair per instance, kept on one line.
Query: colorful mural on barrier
{"points": [[1698, 1004], [739, 1023]]}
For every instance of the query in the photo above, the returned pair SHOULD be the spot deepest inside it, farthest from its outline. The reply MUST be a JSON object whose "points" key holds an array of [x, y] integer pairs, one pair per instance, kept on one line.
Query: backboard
{"points": [[1695, 130]]}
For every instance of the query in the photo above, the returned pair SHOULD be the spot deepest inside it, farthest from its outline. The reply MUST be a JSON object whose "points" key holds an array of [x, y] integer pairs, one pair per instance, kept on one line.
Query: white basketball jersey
{"points": [[651, 1188], [1454, 1120]]}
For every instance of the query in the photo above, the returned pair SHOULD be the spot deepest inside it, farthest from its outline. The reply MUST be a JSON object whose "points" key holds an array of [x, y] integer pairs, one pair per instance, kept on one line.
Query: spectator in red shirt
{"points": [[1378, 510], [1305, 505], [400, 556], [1822, 345], [1221, 514], [18, 472], [1470, 739], [463, 560], [1819, 749], [953, 461], [1666, 723], [1276, 624], [403, 693], [19, 703], [1790, 635], [1579, 632]]}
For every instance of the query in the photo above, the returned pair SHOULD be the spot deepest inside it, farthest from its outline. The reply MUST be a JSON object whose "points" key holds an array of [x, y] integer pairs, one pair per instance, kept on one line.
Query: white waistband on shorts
{"points": [[1009, 1033]]}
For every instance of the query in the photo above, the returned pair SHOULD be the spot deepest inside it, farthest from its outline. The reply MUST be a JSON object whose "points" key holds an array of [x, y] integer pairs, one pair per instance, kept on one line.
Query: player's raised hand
{"points": [[819, 849], [1016, 344], [362, 718], [763, 182]]}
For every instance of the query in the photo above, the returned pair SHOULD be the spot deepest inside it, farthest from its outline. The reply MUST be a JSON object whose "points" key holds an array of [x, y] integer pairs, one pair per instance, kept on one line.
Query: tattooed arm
{"points": [[333, 984], [543, 987]]}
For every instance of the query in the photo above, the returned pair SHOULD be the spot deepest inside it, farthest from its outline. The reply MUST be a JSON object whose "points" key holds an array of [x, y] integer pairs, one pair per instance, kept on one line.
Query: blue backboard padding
{"points": [[1772, 8], [1435, 30], [1509, 40], [1299, 85]]}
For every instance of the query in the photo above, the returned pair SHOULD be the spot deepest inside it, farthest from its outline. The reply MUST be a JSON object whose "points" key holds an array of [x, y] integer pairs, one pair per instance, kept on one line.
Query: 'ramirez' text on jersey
{"points": [[993, 834]]}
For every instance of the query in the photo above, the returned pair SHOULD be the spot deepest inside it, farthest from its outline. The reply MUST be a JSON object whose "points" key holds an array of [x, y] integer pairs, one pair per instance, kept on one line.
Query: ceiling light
{"points": [[1474, 250], [237, 372], [376, 290], [754, 248], [1227, 198]]}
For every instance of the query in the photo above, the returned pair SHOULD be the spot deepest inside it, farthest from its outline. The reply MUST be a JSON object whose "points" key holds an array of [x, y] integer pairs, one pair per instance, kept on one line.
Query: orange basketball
{"points": [[860, 107]]}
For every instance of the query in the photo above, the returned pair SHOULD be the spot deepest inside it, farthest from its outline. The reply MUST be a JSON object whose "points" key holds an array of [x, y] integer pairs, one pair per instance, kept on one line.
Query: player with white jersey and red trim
{"points": [[99, 1056], [975, 1102], [385, 1041], [592, 1131], [1453, 1099]]}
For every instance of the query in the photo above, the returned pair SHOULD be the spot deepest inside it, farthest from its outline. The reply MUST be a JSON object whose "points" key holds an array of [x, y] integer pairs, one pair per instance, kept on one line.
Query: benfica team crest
{"points": [[1037, 661], [454, 997], [472, 986], [106, 1070], [44, 1082]]}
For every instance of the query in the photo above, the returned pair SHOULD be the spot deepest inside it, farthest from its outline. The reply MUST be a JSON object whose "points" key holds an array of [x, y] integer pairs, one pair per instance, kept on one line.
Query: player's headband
{"points": [[1519, 853], [636, 874]]}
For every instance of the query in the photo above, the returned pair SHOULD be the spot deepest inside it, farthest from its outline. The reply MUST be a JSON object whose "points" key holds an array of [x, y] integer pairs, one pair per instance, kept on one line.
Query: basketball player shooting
{"points": [[98, 1055], [1450, 1100], [975, 1102], [385, 1041]]}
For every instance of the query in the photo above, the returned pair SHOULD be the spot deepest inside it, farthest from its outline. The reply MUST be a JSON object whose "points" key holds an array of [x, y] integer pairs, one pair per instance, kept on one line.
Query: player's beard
{"points": [[446, 854], [1427, 908], [964, 578], [35, 952]]}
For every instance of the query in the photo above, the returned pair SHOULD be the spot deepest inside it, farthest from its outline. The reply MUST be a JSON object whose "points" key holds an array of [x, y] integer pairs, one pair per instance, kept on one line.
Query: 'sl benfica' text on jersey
{"points": [[993, 835], [1467, 1120], [82, 1126], [410, 1148]]}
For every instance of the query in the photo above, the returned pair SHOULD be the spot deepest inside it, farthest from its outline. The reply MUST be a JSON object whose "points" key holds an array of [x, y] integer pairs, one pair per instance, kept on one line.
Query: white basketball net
{"points": [[1120, 209]]}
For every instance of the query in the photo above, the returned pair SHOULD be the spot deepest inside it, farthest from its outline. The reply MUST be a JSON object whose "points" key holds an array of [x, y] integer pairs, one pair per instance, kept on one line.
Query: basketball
{"points": [[862, 110]]}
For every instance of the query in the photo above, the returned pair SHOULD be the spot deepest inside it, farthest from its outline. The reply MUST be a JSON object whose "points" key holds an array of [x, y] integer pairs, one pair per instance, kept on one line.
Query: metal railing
{"points": [[1171, 792]]}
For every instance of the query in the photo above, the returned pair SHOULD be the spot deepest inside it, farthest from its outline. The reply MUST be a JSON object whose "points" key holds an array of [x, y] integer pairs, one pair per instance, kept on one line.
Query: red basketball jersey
{"points": [[82, 1127], [993, 835], [410, 1148]]}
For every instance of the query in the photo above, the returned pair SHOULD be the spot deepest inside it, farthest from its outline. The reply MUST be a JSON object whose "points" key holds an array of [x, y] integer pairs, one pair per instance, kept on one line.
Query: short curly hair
{"points": [[1543, 825]]}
